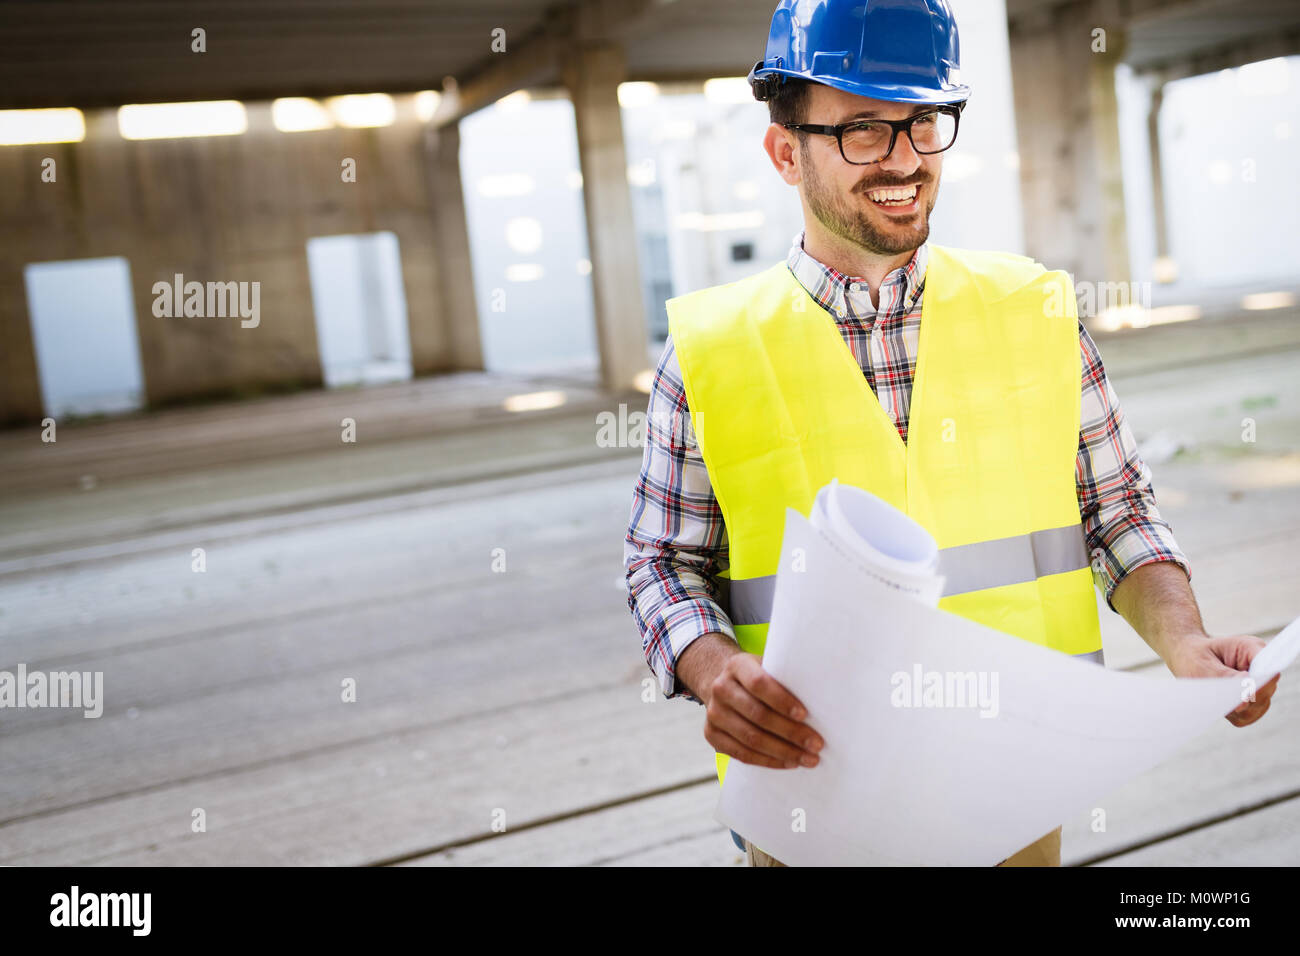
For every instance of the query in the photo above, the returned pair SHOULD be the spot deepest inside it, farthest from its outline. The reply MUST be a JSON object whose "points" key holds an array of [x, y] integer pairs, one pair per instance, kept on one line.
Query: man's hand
{"points": [[750, 716], [1156, 599], [753, 718], [1205, 656]]}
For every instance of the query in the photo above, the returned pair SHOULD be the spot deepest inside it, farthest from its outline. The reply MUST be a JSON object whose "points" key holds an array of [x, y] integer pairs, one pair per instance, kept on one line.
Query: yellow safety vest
{"points": [[779, 407]]}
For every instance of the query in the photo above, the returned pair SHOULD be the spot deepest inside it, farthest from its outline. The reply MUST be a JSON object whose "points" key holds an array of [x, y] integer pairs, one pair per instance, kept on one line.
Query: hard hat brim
{"points": [[879, 90]]}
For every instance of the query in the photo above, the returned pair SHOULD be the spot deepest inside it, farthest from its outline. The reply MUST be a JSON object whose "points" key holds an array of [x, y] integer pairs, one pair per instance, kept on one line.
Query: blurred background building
{"points": [[1154, 146]]}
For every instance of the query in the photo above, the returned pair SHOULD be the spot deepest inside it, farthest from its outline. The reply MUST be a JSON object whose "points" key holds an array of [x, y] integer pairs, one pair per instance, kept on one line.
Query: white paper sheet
{"points": [[911, 779]]}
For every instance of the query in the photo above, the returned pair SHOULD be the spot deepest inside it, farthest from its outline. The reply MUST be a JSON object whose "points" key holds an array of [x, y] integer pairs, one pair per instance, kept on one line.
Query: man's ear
{"points": [[783, 150]]}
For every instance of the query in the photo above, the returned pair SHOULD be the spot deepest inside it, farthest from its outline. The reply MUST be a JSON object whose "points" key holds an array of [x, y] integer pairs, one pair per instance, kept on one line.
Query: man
{"points": [[1010, 436]]}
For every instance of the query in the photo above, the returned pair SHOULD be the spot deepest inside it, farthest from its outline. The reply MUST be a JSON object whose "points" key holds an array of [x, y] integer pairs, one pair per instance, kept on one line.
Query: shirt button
{"points": [[855, 287]]}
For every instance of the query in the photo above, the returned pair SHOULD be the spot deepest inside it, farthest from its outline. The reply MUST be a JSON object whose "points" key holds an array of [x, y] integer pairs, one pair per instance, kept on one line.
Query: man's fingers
{"points": [[752, 710], [1252, 713], [1268, 690], [769, 704], [757, 712], [724, 743], [768, 690], [730, 710], [737, 725], [771, 691], [1262, 693]]}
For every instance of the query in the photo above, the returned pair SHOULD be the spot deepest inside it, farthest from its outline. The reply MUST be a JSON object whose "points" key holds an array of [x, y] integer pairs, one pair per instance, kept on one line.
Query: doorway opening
{"points": [[360, 307]]}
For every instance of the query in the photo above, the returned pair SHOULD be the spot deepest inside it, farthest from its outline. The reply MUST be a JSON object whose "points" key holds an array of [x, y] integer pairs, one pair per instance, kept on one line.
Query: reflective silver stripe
{"points": [[751, 600], [967, 567], [1022, 557]]}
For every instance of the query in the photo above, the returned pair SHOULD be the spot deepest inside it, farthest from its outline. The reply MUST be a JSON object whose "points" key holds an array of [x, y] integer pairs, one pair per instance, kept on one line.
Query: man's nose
{"points": [[903, 159]]}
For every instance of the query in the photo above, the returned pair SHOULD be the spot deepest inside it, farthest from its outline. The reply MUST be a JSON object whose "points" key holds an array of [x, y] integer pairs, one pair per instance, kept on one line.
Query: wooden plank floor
{"points": [[484, 693]]}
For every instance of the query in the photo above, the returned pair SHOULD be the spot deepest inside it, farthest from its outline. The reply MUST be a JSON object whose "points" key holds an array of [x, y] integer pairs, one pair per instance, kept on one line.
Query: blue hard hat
{"points": [[904, 51]]}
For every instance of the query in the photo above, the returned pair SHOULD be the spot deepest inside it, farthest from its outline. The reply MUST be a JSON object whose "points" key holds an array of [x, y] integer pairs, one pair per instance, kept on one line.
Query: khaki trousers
{"points": [[1044, 852]]}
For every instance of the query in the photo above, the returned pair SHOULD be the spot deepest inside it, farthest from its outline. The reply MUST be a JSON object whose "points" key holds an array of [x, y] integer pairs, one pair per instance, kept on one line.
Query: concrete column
{"points": [[20, 389], [1158, 180], [1063, 73], [1106, 164], [451, 236], [591, 74]]}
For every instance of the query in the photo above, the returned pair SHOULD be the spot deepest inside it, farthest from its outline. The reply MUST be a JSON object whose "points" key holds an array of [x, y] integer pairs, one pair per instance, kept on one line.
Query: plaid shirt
{"points": [[677, 540]]}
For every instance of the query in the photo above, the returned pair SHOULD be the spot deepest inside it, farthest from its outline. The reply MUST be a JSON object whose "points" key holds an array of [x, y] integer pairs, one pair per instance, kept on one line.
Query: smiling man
{"points": [[870, 218], [948, 382]]}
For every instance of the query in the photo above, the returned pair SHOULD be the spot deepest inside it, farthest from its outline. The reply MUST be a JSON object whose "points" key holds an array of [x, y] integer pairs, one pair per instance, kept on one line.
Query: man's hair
{"points": [[788, 105]]}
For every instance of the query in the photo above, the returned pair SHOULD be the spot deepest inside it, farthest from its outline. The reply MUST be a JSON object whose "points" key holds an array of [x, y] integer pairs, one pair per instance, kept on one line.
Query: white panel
{"points": [[83, 327]]}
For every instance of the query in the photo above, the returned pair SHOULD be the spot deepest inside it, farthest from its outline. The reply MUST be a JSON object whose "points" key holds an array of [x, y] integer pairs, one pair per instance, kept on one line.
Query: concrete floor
{"points": [[489, 694]]}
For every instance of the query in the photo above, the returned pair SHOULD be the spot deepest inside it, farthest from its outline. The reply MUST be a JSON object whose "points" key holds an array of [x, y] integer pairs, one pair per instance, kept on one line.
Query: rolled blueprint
{"points": [[884, 541]]}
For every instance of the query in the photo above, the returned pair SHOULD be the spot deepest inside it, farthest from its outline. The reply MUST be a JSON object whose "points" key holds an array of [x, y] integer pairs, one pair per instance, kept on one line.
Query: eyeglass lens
{"points": [[868, 142]]}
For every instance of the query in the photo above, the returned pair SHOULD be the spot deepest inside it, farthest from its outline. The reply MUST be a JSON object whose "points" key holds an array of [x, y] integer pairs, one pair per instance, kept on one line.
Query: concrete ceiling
{"points": [[1203, 32], [91, 52], [100, 53], [97, 53], [1189, 36]]}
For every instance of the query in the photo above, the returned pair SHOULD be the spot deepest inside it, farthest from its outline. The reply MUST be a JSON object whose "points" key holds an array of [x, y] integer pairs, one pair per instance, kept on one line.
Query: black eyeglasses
{"points": [[863, 142]]}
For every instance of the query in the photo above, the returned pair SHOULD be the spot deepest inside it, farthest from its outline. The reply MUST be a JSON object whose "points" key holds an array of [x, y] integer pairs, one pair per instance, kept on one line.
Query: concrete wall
{"points": [[235, 208]]}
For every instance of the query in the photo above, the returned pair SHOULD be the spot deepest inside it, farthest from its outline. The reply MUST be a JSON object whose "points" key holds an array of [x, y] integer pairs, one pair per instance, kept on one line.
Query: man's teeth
{"points": [[893, 195]]}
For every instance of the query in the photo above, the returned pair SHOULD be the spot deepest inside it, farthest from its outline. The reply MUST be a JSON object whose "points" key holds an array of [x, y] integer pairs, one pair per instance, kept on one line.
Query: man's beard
{"points": [[852, 223]]}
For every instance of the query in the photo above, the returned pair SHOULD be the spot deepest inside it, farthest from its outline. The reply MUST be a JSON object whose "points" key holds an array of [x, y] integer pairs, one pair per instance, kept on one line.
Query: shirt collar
{"points": [[836, 292]]}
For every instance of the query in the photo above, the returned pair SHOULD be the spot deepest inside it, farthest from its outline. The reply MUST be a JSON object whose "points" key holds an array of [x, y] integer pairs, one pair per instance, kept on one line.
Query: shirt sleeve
{"points": [[1122, 525], [676, 538]]}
